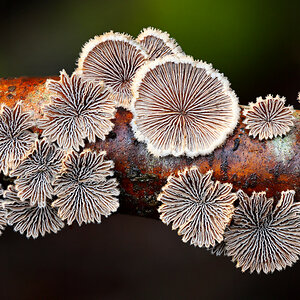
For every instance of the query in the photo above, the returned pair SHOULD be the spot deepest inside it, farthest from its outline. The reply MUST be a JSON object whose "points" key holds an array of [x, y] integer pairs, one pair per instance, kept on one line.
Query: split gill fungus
{"points": [[114, 59], [182, 106], [269, 117], [158, 43], [142, 128]]}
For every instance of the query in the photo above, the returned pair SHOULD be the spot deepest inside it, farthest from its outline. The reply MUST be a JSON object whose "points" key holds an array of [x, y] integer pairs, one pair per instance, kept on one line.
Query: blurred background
{"points": [[256, 44]]}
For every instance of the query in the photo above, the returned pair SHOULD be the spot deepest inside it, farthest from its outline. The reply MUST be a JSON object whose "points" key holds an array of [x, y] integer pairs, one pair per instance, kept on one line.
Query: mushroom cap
{"points": [[84, 193], [36, 172], [78, 110], [35, 221], [15, 138], [268, 118], [197, 206], [182, 106], [158, 43], [264, 237], [114, 59]]}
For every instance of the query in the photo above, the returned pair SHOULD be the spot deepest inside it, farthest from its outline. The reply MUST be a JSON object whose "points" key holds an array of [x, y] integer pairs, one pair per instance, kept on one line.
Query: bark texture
{"points": [[247, 163]]}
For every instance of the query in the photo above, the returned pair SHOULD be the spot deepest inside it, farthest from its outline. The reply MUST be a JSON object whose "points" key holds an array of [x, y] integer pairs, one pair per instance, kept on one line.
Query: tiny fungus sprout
{"points": [[3, 220], [30, 220], [158, 43], [182, 106], [264, 237], [84, 193], [78, 110], [15, 138], [197, 206], [36, 172], [268, 117], [219, 249], [114, 59]]}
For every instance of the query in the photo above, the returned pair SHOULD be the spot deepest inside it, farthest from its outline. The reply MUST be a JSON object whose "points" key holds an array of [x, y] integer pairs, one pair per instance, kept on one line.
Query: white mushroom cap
{"points": [[268, 118], [181, 106], [197, 206], [114, 59], [262, 236], [158, 43]]}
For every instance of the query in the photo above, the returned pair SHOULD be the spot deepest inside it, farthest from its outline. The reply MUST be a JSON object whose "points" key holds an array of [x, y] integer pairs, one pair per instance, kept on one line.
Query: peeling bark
{"points": [[247, 163]]}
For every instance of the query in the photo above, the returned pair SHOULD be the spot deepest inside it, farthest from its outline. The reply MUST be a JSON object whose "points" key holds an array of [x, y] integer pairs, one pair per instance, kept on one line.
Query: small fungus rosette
{"points": [[84, 192], [34, 221], [182, 106], [197, 206], [16, 139], [158, 43], [36, 172], [264, 236], [114, 59], [78, 110], [269, 117]]}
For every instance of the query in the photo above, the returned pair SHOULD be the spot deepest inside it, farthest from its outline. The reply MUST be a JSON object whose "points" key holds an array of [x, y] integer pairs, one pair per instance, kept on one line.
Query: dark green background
{"points": [[257, 46]]}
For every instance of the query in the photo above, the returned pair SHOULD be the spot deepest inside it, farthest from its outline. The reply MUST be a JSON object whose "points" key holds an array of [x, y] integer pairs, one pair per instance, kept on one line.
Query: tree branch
{"points": [[247, 163]]}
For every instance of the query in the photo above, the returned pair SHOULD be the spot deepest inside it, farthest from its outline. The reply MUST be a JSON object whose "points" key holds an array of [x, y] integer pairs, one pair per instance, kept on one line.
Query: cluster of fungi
{"points": [[180, 107]]}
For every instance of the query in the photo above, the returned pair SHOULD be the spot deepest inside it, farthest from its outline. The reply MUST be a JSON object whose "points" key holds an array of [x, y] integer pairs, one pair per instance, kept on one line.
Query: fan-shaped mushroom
{"points": [[78, 110], [84, 193], [114, 59], [268, 117], [197, 206], [264, 237], [15, 138], [158, 43], [182, 106]]}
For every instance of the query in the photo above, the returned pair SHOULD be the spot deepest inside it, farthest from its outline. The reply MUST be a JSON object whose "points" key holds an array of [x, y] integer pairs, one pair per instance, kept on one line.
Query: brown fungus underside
{"points": [[78, 110], [113, 58], [34, 221], [36, 172], [182, 106], [197, 206], [16, 139], [84, 192], [263, 236]]}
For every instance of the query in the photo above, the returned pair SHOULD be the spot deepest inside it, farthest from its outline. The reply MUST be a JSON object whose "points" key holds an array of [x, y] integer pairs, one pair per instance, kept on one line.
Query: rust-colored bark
{"points": [[247, 163]]}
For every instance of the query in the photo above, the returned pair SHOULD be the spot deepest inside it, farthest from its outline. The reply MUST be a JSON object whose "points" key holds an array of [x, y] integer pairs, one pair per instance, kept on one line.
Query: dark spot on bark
{"points": [[112, 135], [236, 144], [275, 171], [134, 174], [234, 177], [189, 160], [11, 88], [210, 159], [224, 165], [10, 96], [251, 181]]}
